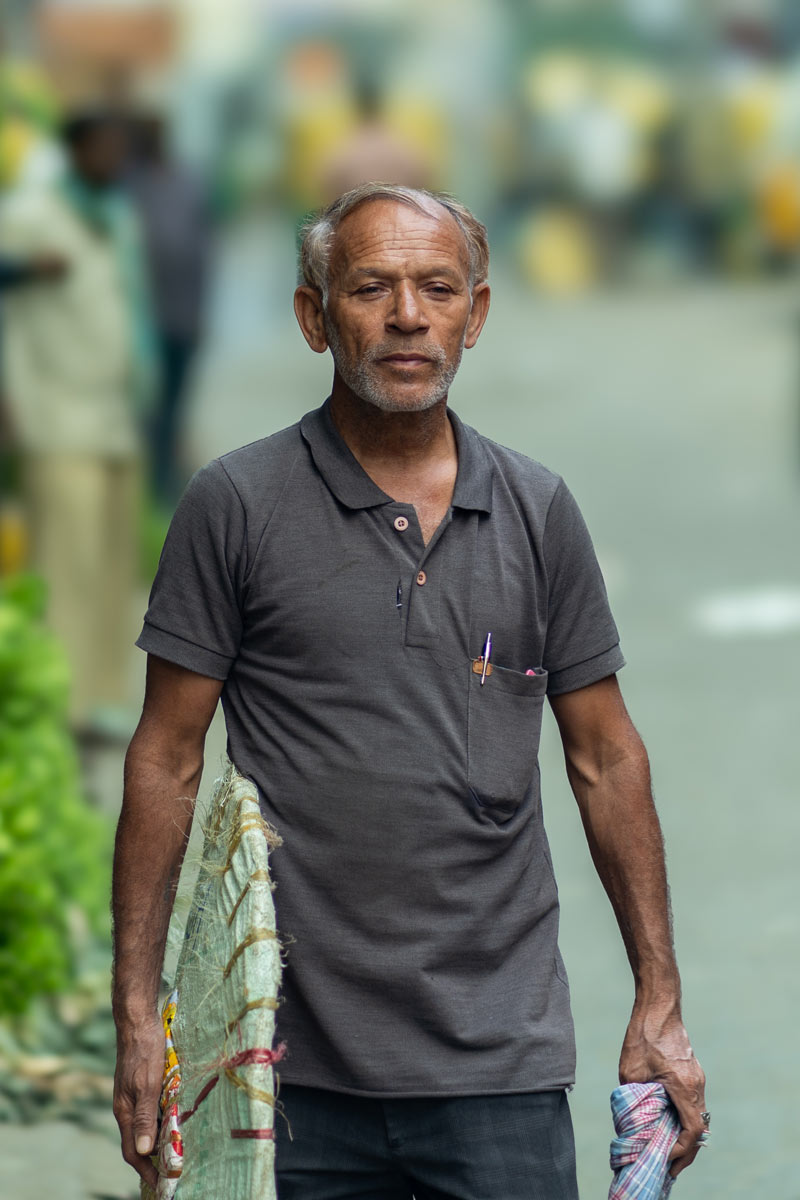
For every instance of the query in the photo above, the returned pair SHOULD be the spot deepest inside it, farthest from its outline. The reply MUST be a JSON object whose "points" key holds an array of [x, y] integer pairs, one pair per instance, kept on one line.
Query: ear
{"points": [[481, 295], [310, 317]]}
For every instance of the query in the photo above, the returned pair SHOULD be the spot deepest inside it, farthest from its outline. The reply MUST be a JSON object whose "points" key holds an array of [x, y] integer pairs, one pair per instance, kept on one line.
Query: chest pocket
{"points": [[504, 724]]}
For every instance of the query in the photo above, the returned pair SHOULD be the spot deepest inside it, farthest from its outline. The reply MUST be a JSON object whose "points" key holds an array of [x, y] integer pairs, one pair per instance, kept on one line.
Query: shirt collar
{"points": [[352, 486]]}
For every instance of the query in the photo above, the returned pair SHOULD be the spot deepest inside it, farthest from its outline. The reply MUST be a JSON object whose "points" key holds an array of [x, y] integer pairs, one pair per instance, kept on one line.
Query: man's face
{"points": [[399, 304], [100, 157]]}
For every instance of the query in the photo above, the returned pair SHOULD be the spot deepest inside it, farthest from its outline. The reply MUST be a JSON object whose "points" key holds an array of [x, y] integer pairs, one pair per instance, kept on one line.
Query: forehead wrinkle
{"points": [[394, 239], [441, 269]]}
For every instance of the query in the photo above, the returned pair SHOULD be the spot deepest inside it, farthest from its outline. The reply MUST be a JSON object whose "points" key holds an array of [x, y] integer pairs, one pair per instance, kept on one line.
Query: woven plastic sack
{"points": [[223, 1023]]}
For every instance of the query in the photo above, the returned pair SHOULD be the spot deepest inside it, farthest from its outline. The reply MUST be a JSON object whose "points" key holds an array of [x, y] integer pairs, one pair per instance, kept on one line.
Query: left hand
{"points": [[657, 1049]]}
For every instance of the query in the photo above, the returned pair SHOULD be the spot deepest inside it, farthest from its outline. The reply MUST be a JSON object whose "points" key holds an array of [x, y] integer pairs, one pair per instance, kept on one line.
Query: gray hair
{"points": [[317, 234]]}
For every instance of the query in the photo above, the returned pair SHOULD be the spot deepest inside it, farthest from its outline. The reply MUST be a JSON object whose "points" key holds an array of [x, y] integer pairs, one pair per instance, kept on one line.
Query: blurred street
{"points": [[673, 415], [637, 165]]}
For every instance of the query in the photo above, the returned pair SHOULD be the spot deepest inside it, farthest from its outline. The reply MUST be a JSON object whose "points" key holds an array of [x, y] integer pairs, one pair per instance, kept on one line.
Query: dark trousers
{"points": [[176, 357], [517, 1147]]}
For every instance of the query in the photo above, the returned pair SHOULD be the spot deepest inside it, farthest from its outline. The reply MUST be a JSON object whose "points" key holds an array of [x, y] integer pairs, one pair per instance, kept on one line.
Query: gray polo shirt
{"points": [[415, 879]]}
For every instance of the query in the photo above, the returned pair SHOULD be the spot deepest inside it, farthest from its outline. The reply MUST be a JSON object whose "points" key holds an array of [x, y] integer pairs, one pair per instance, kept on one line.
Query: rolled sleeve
{"points": [[583, 673], [194, 615], [182, 652]]}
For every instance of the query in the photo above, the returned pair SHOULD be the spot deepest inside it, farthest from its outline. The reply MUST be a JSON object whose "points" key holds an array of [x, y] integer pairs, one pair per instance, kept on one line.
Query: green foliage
{"points": [[153, 526], [54, 849]]}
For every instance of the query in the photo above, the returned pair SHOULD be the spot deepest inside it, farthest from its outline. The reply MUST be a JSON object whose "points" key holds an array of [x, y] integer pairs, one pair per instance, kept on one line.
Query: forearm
{"points": [[610, 776], [626, 844], [160, 789]]}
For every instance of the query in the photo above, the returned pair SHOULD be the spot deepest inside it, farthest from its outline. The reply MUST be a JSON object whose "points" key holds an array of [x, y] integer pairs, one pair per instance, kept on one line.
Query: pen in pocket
{"points": [[487, 651]]}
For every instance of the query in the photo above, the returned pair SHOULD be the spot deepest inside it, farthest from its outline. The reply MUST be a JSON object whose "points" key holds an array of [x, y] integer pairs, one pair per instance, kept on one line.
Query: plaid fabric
{"points": [[647, 1126]]}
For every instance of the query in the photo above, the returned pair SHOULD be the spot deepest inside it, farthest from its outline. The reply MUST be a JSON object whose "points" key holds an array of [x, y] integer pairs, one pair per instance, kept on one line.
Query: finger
{"points": [[140, 1162], [690, 1104], [145, 1126], [680, 1164], [684, 1145], [137, 1144], [688, 1142], [685, 1150], [684, 1142]]}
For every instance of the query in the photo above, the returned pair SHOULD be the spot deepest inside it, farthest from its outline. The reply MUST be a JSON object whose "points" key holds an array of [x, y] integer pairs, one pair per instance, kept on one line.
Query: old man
{"points": [[383, 598]]}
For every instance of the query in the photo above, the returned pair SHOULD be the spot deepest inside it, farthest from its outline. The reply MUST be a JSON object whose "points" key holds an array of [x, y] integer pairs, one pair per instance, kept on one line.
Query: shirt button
{"points": [[401, 523], [421, 578]]}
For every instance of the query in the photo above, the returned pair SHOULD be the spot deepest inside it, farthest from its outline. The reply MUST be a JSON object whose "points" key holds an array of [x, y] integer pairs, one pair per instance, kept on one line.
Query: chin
{"points": [[402, 404]]}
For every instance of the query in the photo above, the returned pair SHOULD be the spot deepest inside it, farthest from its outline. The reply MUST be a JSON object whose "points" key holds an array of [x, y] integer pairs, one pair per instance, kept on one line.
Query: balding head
{"points": [[319, 232]]}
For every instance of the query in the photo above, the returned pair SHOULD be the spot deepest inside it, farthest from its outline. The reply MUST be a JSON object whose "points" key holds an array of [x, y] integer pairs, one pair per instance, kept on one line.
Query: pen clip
{"points": [[487, 653]]}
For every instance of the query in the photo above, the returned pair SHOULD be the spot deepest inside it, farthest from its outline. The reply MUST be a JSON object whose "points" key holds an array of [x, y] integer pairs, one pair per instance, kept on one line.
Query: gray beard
{"points": [[361, 375]]}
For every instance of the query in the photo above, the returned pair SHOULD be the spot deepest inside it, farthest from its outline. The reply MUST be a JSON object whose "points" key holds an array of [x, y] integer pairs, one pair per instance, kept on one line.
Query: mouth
{"points": [[406, 360]]}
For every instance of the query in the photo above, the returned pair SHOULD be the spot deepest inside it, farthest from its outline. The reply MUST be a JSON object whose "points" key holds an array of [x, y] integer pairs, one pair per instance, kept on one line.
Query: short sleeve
{"points": [[582, 643], [194, 616]]}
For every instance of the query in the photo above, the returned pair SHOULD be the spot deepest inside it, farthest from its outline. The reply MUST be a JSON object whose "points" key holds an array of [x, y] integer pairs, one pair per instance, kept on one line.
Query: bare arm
{"points": [[609, 772], [162, 773]]}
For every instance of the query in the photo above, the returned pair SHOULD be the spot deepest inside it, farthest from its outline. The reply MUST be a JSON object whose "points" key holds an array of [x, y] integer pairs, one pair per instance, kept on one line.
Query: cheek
{"points": [[451, 332], [357, 332]]}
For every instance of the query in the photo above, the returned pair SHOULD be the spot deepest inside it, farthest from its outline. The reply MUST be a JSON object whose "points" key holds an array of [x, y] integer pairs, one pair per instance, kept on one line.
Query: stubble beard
{"points": [[363, 379]]}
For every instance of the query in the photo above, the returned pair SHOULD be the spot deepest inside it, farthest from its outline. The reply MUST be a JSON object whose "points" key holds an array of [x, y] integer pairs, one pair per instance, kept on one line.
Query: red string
{"points": [[209, 1087], [244, 1058], [262, 1135]]}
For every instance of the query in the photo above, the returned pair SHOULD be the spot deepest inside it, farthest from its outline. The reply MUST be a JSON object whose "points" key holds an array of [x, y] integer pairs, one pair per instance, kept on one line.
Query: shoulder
{"points": [[228, 503], [244, 485], [522, 475], [260, 469]]}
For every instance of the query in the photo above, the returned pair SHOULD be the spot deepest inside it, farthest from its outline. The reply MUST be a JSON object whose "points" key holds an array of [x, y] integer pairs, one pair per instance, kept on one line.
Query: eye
{"points": [[369, 289], [439, 289]]}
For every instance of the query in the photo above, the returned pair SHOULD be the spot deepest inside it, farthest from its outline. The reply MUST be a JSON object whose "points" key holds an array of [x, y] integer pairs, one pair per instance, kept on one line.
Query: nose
{"points": [[406, 314]]}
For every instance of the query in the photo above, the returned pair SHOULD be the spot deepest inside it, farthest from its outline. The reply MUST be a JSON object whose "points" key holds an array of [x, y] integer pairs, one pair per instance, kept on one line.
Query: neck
{"points": [[377, 438]]}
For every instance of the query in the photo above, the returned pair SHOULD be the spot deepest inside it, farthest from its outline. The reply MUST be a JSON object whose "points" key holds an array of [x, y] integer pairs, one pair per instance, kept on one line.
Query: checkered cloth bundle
{"points": [[647, 1126]]}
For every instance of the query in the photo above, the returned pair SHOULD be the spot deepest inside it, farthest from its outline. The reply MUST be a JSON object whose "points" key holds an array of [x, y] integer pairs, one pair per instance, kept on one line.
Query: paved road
{"points": [[673, 417]]}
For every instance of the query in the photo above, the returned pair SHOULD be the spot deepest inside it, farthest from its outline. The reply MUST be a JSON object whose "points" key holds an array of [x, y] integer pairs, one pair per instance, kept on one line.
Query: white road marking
{"points": [[765, 610]]}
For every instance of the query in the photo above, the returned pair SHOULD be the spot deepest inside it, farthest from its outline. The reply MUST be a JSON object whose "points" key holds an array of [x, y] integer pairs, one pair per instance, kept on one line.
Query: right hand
{"points": [[137, 1090]]}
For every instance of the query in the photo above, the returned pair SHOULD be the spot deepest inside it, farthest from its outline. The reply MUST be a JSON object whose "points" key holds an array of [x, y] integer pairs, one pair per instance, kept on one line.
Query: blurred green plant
{"points": [[54, 849], [153, 526]]}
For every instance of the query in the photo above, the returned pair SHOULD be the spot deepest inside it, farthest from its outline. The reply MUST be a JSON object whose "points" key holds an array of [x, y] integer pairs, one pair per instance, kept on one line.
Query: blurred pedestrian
{"points": [[374, 150], [20, 272], [177, 229], [79, 368]]}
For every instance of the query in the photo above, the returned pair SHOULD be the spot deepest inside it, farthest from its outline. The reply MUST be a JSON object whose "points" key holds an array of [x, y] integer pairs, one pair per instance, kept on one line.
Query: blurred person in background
{"points": [[78, 368], [18, 273], [177, 230], [335, 584], [373, 150]]}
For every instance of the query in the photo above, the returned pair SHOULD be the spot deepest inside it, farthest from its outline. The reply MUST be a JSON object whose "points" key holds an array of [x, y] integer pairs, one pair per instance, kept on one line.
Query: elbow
{"points": [[607, 757], [155, 752]]}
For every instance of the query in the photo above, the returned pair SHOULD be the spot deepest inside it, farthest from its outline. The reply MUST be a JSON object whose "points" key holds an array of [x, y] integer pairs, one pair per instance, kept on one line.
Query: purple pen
{"points": [[487, 651]]}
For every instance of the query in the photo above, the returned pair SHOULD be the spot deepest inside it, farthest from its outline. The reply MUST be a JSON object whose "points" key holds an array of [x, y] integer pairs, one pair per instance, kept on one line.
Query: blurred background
{"points": [[638, 166]]}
